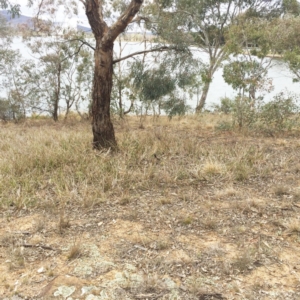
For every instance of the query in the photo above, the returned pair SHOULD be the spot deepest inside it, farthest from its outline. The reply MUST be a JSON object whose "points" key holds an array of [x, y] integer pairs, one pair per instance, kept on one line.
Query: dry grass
{"points": [[293, 227], [75, 251], [172, 191]]}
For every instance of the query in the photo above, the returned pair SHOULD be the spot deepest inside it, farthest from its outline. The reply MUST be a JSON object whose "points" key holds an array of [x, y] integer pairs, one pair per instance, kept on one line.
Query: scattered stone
{"points": [[41, 270], [65, 291], [86, 289], [104, 267], [83, 270], [170, 284]]}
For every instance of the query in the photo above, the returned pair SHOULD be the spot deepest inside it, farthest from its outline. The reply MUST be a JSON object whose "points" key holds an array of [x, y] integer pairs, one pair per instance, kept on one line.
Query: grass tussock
{"points": [[75, 251]]}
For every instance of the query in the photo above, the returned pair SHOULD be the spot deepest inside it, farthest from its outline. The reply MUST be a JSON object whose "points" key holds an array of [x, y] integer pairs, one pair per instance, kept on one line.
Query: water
{"points": [[279, 73], [282, 80]]}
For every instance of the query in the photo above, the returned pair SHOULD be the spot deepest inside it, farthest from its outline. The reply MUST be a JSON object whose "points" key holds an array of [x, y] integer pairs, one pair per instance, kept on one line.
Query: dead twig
{"points": [[32, 246]]}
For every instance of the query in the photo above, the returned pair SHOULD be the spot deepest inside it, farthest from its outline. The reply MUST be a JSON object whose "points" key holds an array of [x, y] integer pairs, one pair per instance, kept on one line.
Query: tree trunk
{"points": [[55, 112], [203, 96], [67, 112], [57, 94], [120, 100], [103, 131]]}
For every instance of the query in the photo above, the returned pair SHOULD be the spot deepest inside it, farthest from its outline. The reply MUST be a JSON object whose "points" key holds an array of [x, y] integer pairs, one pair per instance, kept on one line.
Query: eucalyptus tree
{"points": [[6, 53], [105, 35], [107, 21], [8, 61], [167, 84], [131, 79], [286, 42], [62, 60], [204, 24], [76, 90], [249, 42], [121, 82], [291, 7], [13, 8]]}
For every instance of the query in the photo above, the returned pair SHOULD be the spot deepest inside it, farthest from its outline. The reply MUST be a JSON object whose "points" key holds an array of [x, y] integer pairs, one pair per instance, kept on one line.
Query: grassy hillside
{"points": [[181, 211]]}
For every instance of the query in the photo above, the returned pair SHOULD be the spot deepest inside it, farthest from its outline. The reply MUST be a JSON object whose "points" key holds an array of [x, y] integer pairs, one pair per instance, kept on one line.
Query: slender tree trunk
{"points": [[103, 131], [57, 94], [203, 96], [129, 109], [207, 82], [55, 111], [120, 100], [67, 112], [215, 60]]}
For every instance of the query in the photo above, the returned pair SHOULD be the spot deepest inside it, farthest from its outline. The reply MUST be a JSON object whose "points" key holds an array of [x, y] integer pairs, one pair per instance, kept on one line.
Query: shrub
{"points": [[244, 113], [281, 113], [10, 111], [226, 106]]}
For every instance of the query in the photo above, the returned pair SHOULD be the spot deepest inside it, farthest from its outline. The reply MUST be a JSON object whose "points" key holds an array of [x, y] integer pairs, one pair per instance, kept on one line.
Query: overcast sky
{"points": [[61, 17]]}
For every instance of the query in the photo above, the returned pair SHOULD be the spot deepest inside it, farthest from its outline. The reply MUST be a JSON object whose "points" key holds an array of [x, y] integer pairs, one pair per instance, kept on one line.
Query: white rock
{"points": [[86, 289], [64, 291]]}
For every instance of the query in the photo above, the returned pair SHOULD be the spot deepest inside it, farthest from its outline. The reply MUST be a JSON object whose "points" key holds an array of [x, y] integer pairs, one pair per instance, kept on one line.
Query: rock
{"points": [[65, 291], [170, 284], [83, 270], [93, 264], [103, 267], [86, 289]]}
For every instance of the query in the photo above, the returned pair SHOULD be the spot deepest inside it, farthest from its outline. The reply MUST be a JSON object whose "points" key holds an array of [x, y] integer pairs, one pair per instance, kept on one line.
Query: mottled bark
{"points": [[103, 130]]}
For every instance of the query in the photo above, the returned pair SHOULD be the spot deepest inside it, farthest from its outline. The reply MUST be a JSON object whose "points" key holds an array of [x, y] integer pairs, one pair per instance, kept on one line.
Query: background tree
{"points": [[166, 84], [9, 59], [286, 42], [204, 24], [14, 9], [106, 27], [21, 85], [76, 88], [121, 82], [291, 7], [64, 64], [59, 78]]}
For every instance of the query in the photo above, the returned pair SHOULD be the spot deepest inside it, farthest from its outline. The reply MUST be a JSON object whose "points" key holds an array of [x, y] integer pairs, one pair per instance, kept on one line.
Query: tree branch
{"points": [[139, 19], [83, 42], [120, 25], [163, 48], [126, 112], [73, 54], [93, 10]]}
